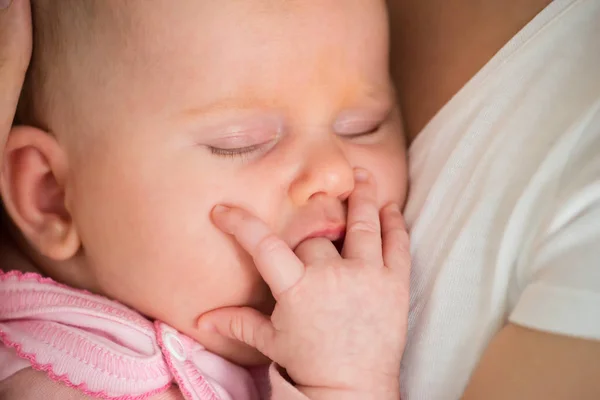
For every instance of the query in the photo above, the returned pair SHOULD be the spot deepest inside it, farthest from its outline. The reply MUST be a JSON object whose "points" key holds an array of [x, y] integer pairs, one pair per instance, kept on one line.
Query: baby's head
{"points": [[139, 117]]}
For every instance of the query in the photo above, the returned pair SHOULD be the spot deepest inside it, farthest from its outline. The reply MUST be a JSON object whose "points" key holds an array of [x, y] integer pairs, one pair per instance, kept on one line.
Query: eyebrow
{"points": [[376, 96], [228, 104]]}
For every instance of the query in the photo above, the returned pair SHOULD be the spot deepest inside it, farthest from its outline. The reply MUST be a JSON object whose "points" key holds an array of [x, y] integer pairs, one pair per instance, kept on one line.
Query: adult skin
{"points": [[430, 65], [429, 38], [15, 51]]}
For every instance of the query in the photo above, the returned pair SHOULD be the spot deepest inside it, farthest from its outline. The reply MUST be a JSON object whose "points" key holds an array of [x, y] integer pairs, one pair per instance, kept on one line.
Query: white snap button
{"points": [[175, 347]]}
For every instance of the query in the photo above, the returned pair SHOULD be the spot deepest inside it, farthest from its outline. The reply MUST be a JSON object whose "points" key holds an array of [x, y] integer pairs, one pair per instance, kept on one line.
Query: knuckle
{"points": [[403, 239], [236, 327], [394, 221], [263, 339], [367, 226], [363, 201], [239, 331], [402, 253], [398, 237], [269, 244], [362, 265], [398, 219]]}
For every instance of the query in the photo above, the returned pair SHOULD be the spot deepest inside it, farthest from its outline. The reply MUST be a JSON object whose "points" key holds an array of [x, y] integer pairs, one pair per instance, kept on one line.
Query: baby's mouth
{"points": [[339, 244]]}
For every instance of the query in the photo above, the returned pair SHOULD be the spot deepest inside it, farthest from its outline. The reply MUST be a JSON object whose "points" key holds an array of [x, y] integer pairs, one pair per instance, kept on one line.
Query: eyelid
{"points": [[246, 134], [242, 140], [356, 127], [359, 122]]}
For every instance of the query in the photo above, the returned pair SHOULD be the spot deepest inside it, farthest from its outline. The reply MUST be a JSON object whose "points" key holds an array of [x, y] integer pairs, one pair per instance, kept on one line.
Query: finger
{"points": [[275, 261], [226, 347], [315, 250], [363, 230], [173, 393], [396, 243], [15, 52], [245, 325]]}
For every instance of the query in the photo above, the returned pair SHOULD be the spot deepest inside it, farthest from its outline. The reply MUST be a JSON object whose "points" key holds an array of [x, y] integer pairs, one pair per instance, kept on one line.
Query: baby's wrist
{"points": [[361, 384], [381, 393], [380, 389]]}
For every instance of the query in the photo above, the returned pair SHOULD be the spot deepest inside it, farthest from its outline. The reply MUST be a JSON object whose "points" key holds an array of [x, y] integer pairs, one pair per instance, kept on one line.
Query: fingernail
{"points": [[4, 4], [393, 207], [218, 217], [220, 209], [206, 326], [361, 175]]}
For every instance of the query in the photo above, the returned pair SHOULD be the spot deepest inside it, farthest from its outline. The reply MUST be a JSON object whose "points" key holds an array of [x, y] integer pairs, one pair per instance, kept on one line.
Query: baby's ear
{"points": [[32, 184]]}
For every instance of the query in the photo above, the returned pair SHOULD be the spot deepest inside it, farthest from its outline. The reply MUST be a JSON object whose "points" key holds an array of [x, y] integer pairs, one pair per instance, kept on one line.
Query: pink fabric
{"points": [[107, 350]]}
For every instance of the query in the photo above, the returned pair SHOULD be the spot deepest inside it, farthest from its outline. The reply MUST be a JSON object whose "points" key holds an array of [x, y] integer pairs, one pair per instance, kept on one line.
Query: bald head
{"points": [[69, 36], [108, 58]]}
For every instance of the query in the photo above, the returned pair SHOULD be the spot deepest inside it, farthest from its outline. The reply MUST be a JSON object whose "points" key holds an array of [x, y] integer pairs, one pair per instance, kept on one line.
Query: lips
{"points": [[339, 243], [334, 234], [323, 217]]}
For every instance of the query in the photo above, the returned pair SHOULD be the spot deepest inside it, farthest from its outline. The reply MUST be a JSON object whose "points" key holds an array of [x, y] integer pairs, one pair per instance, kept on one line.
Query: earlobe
{"points": [[33, 185]]}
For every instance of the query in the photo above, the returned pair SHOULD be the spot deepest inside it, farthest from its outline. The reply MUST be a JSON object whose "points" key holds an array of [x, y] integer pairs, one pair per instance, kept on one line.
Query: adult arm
{"points": [[15, 52], [551, 348], [522, 363]]}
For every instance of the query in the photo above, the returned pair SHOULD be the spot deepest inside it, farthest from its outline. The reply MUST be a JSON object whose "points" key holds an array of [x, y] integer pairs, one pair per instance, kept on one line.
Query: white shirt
{"points": [[504, 208]]}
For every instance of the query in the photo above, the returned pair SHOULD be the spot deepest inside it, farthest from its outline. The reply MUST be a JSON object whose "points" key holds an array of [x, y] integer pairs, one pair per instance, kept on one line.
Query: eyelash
{"points": [[367, 133], [243, 152]]}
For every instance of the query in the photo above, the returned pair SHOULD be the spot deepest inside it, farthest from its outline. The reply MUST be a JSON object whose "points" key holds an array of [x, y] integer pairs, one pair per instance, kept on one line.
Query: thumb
{"points": [[246, 325]]}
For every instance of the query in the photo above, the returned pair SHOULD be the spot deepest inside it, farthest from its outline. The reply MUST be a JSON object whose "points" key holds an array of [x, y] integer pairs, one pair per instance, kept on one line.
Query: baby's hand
{"points": [[340, 321]]}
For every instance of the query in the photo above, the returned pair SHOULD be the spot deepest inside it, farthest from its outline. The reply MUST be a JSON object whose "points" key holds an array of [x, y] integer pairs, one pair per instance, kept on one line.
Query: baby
{"points": [[137, 119]]}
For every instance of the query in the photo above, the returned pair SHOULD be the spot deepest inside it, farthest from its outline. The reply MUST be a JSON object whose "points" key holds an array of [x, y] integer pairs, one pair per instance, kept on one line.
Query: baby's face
{"points": [[263, 104]]}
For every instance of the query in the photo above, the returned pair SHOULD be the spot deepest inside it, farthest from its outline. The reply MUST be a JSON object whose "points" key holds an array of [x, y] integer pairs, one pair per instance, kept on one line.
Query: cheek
{"points": [[164, 219], [392, 183], [261, 189], [388, 164], [155, 224]]}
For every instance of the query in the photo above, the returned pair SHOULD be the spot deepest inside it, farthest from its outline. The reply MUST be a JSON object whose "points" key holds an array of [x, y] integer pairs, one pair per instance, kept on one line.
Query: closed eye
{"points": [[365, 132], [237, 152], [355, 125]]}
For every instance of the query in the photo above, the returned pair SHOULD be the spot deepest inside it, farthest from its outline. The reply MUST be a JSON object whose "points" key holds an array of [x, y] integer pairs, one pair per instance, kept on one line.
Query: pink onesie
{"points": [[106, 350]]}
